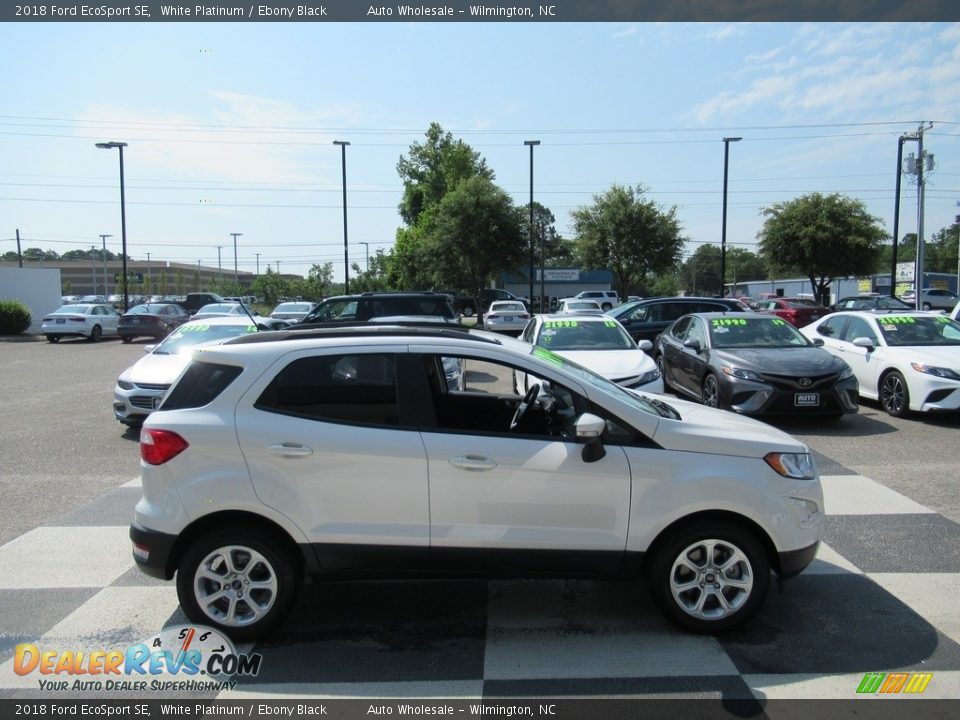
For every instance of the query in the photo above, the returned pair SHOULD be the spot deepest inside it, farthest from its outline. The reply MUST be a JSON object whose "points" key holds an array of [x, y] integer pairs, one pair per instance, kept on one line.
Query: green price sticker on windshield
{"points": [[610, 323], [560, 323], [899, 319], [726, 322], [778, 321]]}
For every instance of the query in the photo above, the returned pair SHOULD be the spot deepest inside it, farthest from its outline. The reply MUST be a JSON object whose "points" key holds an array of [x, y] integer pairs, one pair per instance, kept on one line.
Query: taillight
{"points": [[160, 446]]}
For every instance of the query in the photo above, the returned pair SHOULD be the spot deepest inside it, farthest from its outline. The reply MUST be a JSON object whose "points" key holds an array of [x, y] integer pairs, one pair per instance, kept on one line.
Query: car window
{"points": [[679, 329], [200, 385], [191, 334], [754, 332], [559, 335], [353, 388], [911, 330], [859, 327], [696, 332], [832, 327]]}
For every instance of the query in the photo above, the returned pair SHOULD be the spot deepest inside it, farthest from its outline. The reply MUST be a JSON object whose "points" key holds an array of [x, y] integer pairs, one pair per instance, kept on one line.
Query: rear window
{"points": [[199, 385]]}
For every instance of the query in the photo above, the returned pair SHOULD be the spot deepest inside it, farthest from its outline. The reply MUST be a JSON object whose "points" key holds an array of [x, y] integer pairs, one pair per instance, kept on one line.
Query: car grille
{"points": [[792, 382], [144, 403], [150, 386]]}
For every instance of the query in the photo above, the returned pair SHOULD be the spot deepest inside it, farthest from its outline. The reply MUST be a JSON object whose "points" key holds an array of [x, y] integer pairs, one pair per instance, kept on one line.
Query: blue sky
{"points": [[230, 126]]}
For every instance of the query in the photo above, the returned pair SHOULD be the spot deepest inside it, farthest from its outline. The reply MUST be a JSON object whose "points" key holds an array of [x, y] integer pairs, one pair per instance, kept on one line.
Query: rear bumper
{"points": [[151, 551]]}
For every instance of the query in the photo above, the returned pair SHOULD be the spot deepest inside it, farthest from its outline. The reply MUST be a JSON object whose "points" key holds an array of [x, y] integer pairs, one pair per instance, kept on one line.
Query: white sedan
{"points": [[598, 343], [91, 321], [506, 316], [574, 306], [141, 387], [909, 361]]}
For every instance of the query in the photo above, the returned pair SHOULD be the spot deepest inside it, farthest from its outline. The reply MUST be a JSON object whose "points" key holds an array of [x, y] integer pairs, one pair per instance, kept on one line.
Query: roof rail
{"points": [[364, 329]]}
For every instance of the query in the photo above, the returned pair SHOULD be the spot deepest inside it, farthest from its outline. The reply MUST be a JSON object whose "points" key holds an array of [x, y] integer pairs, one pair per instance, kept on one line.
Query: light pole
{"points": [[896, 216], [123, 218], [531, 143], [104, 258], [258, 264], [93, 270], [346, 263], [149, 276], [219, 266], [236, 275], [367, 246], [723, 230]]}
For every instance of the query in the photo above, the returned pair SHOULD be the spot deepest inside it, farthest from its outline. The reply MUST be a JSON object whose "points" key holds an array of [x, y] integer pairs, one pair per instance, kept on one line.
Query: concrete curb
{"points": [[21, 338]]}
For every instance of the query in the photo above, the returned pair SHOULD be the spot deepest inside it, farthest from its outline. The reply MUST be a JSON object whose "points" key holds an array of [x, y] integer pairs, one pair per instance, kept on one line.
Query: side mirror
{"points": [[818, 342], [693, 345], [645, 345], [589, 429], [864, 343]]}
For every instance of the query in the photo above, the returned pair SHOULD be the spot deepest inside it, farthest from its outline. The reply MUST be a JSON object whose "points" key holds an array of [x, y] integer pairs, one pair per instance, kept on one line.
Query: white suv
{"points": [[344, 452], [607, 299]]}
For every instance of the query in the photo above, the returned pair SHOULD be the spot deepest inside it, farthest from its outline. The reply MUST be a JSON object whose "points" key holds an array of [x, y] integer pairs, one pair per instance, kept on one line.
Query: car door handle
{"points": [[472, 463], [290, 450]]}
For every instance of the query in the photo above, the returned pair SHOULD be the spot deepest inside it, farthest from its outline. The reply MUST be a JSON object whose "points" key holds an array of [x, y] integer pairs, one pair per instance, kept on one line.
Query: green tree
{"points": [[631, 236], [821, 237], [373, 279], [433, 168], [36, 255], [941, 250], [701, 271], [471, 234], [271, 287]]}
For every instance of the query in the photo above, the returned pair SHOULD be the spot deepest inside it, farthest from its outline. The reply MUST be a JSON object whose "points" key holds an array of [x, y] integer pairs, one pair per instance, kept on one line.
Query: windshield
{"points": [[192, 334], [584, 335], [930, 330], [145, 309], [648, 405], [219, 308], [72, 310], [771, 332], [293, 307]]}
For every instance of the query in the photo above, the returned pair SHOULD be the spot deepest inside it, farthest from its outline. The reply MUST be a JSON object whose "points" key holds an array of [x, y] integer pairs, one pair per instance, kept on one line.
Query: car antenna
{"points": [[247, 311]]}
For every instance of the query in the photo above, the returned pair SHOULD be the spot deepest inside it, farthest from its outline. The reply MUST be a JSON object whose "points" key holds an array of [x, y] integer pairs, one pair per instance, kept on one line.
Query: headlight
{"points": [[792, 465], [124, 385], [741, 373], [935, 371], [647, 377], [846, 372]]}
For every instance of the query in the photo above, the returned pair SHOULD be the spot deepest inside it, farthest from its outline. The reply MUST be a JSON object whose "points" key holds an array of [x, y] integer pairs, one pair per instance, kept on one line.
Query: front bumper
{"points": [[134, 405], [152, 551], [793, 562], [761, 398]]}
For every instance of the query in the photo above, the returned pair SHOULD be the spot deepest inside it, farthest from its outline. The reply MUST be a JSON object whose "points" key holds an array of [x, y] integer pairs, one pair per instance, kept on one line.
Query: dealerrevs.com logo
{"points": [[187, 658], [878, 683]]}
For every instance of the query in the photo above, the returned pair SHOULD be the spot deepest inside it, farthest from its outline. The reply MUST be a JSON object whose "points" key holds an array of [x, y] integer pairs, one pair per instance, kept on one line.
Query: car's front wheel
{"points": [[242, 582], [126, 338], [53, 338], [95, 333], [927, 306], [661, 366], [710, 391], [894, 395], [710, 577]]}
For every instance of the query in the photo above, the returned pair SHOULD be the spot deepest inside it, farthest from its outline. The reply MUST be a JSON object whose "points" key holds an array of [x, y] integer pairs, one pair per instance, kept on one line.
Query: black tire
{"points": [[606, 306], [53, 338], [926, 306], [258, 556], [125, 339], [95, 333], [689, 587], [661, 366], [894, 395], [468, 311], [710, 391]]}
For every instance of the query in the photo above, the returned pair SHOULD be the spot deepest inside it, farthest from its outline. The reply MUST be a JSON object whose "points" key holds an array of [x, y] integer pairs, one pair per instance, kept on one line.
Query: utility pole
{"points": [[236, 275], [19, 254], [149, 277], [93, 270], [258, 264], [916, 167], [104, 258], [219, 266]]}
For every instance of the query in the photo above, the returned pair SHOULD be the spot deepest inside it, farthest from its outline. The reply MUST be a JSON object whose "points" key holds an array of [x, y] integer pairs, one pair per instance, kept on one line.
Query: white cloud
{"points": [[726, 31], [626, 32]]}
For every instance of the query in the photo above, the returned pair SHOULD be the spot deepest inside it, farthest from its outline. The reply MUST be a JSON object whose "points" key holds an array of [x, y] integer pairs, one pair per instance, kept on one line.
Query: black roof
{"points": [[361, 329]]}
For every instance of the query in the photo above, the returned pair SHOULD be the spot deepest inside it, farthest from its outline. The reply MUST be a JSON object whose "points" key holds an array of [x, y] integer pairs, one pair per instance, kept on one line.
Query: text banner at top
{"points": [[458, 11]]}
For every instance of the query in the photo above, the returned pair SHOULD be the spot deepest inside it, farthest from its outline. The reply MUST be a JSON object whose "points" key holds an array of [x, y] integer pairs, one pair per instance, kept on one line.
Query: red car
{"points": [[796, 311]]}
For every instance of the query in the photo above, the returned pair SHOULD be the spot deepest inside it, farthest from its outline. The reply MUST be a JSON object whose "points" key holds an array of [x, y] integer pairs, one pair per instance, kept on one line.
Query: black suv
{"points": [[367, 306], [645, 319]]}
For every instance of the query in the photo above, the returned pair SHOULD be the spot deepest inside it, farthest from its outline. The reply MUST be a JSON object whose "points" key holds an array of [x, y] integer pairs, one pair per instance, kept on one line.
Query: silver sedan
{"points": [[506, 316]]}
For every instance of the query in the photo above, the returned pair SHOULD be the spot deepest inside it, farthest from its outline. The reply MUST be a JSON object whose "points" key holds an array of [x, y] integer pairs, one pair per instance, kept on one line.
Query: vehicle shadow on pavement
{"points": [[862, 424]]}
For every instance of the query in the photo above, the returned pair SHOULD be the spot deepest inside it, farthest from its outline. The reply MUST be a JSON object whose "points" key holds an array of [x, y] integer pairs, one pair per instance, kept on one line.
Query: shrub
{"points": [[14, 317]]}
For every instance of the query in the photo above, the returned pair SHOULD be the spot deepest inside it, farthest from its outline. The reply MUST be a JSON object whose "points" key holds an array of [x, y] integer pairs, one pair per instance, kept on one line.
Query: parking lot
{"points": [[879, 598]]}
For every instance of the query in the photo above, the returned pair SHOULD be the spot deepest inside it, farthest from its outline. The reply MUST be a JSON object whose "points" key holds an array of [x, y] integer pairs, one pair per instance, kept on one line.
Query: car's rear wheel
{"points": [[468, 311], [710, 577], [53, 338], [606, 306], [95, 333], [126, 338], [710, 391], [894, 395], [242, 582], [927, 306], [661, 366]]}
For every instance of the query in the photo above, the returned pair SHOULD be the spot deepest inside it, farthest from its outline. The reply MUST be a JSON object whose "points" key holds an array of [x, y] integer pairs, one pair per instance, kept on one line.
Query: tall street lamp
{"points": [[346, 262], [104, 258], [531, 143], [236, 275], [93, 270], [123, 218], [219, 265], [723, 231], [258, 264], [367, 246]]}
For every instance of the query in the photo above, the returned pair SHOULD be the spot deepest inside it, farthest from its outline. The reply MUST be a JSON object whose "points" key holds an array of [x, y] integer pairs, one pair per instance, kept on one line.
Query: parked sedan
{"points": [[598, 343], [572, 306], [233, 309], [154, 320], [869, 301], [753, 364], [509, 316], [932, 299], [91, 321], [796, 311], [909, 361], [141, 387], [292, 311]]}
